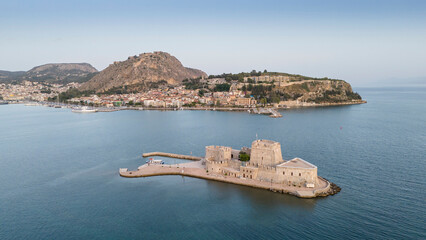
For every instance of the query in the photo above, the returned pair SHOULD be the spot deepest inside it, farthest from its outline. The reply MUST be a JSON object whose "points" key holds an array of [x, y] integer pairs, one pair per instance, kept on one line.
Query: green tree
{"points": [[250, 87], [222, 87], [244, 157]]}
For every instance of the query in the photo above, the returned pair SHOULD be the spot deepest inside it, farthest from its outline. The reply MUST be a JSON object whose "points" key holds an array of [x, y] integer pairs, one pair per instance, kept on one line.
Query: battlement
{"points": [[266, 153], [218, 153]]}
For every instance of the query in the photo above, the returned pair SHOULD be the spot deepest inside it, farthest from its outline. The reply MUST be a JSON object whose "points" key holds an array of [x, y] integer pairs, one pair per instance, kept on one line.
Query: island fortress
{"points": [[260, 166], [265, 164]]}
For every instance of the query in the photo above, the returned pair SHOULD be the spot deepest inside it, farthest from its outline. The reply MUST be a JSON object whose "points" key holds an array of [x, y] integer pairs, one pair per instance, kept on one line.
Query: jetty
{"points": [[171, 155], [273, 113]]}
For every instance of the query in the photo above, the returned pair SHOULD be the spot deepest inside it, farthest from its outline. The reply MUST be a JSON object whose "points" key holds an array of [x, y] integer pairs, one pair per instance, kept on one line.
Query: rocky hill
{"points": [[52, 73], [7, 76], [318, 91], [141, 71]]}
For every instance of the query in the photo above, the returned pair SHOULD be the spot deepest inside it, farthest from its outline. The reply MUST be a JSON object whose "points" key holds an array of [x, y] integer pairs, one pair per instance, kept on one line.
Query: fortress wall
{"points": [[266, 175], [216, 166], [218, 153], [306, 175], [249, 172], [265, 153], [234, 164]]}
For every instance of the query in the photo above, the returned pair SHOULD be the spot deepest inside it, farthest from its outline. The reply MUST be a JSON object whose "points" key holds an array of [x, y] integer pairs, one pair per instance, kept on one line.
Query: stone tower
{"points": [[266, 153]]}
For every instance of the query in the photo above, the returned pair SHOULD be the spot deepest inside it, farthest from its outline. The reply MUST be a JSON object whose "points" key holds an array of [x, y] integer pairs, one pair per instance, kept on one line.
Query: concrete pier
{"points": [[171, 155]]}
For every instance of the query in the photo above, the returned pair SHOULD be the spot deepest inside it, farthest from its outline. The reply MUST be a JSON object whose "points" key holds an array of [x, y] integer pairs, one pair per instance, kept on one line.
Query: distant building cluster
{"points": [[277, 80], [265, 164], [170, 98], [33, 91]]}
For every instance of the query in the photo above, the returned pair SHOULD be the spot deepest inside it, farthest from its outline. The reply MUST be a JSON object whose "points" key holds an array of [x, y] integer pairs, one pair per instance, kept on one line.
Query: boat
{"points": [[32, 104], [155, 162], [84, 110]]}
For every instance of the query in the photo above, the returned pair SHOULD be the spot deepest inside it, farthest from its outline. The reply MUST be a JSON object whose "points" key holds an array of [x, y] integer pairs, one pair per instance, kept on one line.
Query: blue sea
{"points": [[59, 173]]}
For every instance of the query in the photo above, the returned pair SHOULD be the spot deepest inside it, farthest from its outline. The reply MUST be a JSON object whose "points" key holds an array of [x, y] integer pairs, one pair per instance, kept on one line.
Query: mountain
{"points": [[6, 76], [53, 73], [141, 71], [61, 73]]}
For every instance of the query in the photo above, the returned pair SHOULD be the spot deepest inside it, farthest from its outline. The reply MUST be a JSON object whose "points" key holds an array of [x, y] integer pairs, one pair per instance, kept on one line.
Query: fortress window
{"points": [[300, 174], [283, 173], [292, 174]]}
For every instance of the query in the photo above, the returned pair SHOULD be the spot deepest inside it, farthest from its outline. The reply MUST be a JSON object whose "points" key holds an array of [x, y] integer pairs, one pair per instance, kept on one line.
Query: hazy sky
{"points": [[359, 41]]}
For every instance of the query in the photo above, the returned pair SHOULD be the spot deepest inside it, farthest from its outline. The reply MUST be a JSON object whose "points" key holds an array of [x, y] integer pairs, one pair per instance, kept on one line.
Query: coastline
{"points": [[223, 109]]}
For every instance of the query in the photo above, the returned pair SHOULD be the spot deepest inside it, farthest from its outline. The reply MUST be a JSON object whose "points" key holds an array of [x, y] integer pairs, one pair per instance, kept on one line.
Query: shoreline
{"points": [[221, 109]]}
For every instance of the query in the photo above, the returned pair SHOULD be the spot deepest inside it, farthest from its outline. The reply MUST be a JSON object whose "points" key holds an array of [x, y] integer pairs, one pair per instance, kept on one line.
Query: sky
{"points": [[363, 42]]}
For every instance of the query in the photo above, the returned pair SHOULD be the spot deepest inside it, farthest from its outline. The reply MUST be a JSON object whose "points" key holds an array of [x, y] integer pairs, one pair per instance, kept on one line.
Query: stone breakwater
{"points": [[171, 155], [196, 169]]}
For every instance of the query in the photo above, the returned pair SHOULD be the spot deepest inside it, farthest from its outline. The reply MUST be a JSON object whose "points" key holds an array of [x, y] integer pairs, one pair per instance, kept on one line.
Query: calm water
{"points": [[59, 173]]}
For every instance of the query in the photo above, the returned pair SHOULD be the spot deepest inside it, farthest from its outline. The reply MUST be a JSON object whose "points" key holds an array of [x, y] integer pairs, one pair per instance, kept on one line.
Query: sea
{"points": [[59, 173]]}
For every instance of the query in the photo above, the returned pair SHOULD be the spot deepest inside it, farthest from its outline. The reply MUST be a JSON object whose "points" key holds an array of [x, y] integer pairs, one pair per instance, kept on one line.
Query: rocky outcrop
{"points": [[141, 70], [319, 91]]}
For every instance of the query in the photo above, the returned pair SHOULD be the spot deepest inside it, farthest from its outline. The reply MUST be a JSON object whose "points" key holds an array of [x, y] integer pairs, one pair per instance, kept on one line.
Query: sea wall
{"points": [[171, 155]]}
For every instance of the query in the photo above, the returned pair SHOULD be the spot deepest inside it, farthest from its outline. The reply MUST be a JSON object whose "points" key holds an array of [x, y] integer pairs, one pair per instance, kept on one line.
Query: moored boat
{"points": [[84, 110]]}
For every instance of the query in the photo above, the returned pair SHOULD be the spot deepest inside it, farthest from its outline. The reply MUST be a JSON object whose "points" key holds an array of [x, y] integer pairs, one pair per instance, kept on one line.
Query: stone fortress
{"points": [[260, 166], [266, 164]]}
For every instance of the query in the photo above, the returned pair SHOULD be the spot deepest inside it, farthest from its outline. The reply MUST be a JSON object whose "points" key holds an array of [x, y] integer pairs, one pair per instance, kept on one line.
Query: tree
{"points": [[264, 71], [244, 157], [250, 87], [222, 87], [244, 88]]}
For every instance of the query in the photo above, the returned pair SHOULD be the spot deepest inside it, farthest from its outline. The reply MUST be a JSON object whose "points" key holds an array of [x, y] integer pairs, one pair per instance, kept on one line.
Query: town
{"points": [[232, 92], [214, 92]]}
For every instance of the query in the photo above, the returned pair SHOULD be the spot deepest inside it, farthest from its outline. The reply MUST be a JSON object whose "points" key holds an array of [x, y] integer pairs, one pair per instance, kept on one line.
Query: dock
{"points": [[172, 155], [273, 113]]}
